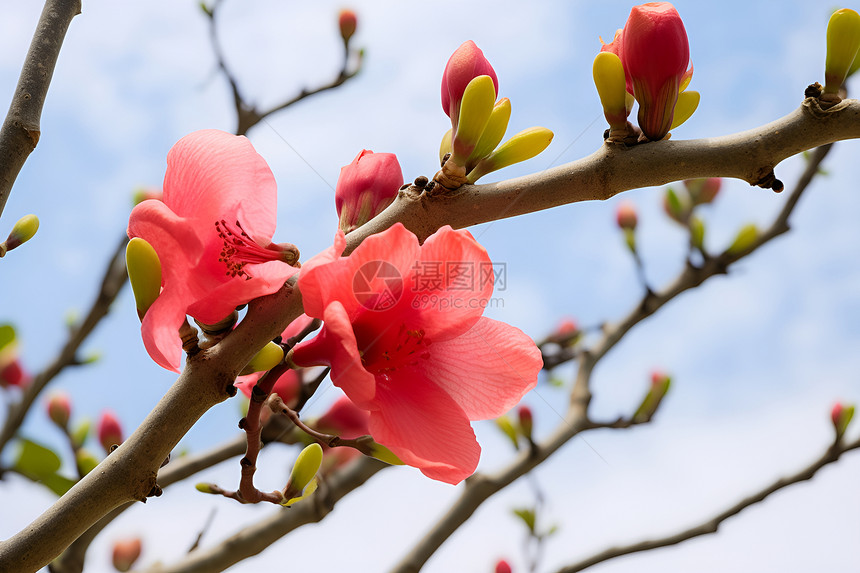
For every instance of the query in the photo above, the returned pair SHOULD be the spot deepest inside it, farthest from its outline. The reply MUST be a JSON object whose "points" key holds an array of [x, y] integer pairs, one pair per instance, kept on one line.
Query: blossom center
{"points": [[406, 348], [239, 249]]}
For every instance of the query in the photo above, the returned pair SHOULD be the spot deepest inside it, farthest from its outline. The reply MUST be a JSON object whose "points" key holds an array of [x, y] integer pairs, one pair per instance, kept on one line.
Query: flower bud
{"points": [[507, 428], [611, 86], [476, 108], [493, 133], [703, 190], [655, 54], [526, 421], [841, 417], [145, 194], [677, 206], [344, 419], [60, 409], [522, 146], [347, 22], [85, 461], [843, 42], [660, 383], [503, 567], [625, 215], [109, 431], [464, 65], [12, 374], [697, 233], [565, 333], [744, 240], [22, 231], [366, 187], [304, 470], [267, 358], [144, 273], [125, 553]]}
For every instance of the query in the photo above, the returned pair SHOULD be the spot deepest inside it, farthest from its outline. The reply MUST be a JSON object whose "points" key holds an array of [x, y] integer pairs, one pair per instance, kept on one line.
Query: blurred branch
{"points": [[21, 128], [112, 281], [246, 113], [480, 487], [712, 525], [253, 539]]}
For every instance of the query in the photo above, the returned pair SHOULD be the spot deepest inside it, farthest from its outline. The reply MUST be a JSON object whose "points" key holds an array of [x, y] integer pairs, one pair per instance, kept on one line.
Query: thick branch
{"points": [[750, 155], [713, 524], [112, 282], [20, 132]]}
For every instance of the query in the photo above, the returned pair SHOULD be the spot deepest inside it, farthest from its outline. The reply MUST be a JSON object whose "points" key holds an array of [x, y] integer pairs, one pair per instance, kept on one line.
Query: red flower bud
{"points": [[526, 421], [703, 190], [464, 65], [12, 374], [841, 417], [60, 409], [347, 22], [655, 55], [125, 553], [626, 215], [109, 431], [366, 187], [503, 567], [344, 419]]}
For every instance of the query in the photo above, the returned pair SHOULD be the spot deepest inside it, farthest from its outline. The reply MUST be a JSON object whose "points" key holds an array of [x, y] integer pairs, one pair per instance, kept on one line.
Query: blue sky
{"points": [[758, 356]]}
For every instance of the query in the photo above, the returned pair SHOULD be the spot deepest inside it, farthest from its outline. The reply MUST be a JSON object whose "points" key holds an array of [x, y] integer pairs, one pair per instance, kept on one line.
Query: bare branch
{"points": [[21, 129], [713, 524]]}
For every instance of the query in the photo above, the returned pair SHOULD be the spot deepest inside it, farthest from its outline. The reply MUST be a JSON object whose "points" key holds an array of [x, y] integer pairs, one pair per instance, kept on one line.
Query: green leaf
{"points": [[528, 516], [36, 461], [7, 335], [58, 484]]}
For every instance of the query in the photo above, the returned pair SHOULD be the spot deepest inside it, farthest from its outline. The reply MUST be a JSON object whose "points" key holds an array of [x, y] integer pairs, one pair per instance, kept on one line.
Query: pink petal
{"points": [[335, 346], [487, 370], [210, 173], [353, 280], [160, 330], [296, 327], [450, 309], [425, 428]]}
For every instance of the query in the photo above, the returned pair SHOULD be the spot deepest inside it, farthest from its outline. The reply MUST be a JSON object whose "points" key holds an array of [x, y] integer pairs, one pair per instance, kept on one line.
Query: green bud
{"points": [[144, 273], [267, 358], [522, 146], [22, 231], [676, 205], [841, 417], [205, 488], [697, 233], [493, 132], [86, 462], [306, 467], [744, 240], [660, 384], [507, 428], [843, 42], [475, 110], [383, 454], [445, 147]]}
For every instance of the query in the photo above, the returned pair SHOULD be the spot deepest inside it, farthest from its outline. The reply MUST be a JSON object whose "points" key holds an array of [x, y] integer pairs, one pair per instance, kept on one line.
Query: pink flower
{"points": [[212, 233], [503, 567], [655, 54], [109, 431], [366, 187], [405, 339], [464, 65]]}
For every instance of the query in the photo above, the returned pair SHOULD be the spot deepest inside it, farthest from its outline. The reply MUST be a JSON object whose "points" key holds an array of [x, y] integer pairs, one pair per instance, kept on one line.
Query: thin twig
{"points": [[712, 525], [21, 128]]}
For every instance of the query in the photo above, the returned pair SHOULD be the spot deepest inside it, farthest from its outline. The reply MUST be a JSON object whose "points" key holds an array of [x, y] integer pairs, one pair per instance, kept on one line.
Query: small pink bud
{"points": [[526, 421], [566, 327], [13, 375], [703, 190], [125, 553], [503, 567], [347, 21], [841, 417], [658, 377], [655, 55], [60, 409], [626, 215], [109, 431], [464, 65], [344, 419], [366, 187]]}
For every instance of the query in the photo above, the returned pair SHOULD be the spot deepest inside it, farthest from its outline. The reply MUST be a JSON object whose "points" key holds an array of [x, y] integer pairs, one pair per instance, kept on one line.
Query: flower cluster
{"points": [[649, 59]]}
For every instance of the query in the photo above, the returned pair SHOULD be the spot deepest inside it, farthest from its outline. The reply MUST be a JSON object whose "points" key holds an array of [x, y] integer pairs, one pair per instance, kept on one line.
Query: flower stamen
{"points": [[240, 249]]}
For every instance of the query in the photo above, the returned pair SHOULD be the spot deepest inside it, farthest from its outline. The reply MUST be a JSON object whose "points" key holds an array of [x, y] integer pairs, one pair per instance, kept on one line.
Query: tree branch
{"points": [[481, 487], [21, 130], [712, 525]]}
